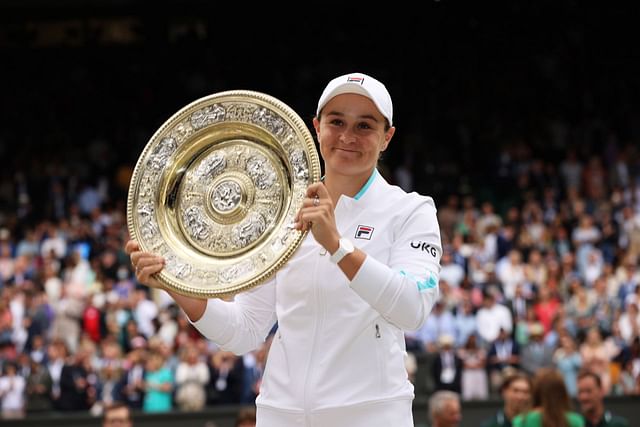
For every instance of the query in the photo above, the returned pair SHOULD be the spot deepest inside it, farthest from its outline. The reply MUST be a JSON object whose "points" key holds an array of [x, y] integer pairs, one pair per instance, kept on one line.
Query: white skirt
{"points": [[396, 413]]}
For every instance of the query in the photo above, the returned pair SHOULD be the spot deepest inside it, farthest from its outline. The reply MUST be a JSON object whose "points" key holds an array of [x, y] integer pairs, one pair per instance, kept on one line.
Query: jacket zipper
{"points": [[306, 400], [379, 357]]}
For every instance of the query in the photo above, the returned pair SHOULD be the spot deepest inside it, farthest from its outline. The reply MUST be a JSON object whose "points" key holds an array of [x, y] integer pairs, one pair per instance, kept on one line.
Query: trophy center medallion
{"points": [[226, 197]]}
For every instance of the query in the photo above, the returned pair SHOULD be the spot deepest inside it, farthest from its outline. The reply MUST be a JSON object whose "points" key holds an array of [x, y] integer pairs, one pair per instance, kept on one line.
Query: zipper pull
{"points": [[377, 331]]}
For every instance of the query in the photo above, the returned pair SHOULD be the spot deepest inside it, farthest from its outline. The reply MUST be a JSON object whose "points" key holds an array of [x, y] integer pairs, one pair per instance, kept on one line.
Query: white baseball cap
{"points": [[360, 84]]}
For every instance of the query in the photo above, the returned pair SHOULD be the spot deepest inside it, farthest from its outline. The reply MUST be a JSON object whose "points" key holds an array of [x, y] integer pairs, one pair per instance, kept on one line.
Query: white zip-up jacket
{"points": [[338, 355]]}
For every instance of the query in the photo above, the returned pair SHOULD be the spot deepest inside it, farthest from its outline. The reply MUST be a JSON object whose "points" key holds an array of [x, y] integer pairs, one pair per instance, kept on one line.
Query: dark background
{"points": [[86, 83]]}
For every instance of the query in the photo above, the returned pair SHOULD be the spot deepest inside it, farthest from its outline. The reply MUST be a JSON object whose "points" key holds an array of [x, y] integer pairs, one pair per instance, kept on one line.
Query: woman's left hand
{"points": [[317, 215]]}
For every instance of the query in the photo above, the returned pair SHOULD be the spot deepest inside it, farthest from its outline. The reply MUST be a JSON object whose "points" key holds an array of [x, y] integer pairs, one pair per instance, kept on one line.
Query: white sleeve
{"points": [[240, 325], [405, 290]]}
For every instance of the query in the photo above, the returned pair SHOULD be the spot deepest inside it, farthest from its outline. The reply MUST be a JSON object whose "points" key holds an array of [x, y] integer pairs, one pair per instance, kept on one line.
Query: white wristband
{"points": [[345, 248]]}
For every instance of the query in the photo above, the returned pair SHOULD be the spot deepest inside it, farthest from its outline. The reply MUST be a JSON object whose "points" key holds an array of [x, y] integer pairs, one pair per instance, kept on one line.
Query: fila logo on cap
{"points": [[364, 232], [355, 80]]}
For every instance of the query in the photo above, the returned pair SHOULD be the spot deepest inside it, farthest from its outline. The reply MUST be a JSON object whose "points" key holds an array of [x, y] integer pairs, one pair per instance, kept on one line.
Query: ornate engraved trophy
{"points": [[216, 188]]}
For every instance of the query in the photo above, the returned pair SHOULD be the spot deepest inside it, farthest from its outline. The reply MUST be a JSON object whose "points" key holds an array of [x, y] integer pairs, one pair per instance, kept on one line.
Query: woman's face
{"points": [[352, 134]]}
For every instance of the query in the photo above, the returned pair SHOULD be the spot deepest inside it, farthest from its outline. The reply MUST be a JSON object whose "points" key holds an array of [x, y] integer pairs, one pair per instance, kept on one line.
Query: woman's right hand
{"points": [[145, 264]]}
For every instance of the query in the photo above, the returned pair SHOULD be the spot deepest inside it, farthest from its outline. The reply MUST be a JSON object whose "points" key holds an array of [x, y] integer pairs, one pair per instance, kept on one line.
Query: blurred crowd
{"points": [[546, 276]]}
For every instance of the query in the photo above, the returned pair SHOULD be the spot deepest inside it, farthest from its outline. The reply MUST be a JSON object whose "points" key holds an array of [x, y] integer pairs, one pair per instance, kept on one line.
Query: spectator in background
{"points": [[447, 366], [627, 384], [594, 178], [38, 351], [7, 263], [546, 308], [591, 398], [29, 245], [551, 403], [6, 323], [492, 317], [629, 322], [596, 358], [571, 170], [475, 384], [465, 321], [192, 375], [536, 355], [133, 377], [625, 279], [536, 270], [12, 390], [54, 246], [451, 272], [568, 361], [604, 307], [66, 325], [593, 268], [580, 310], [144, 312], [89, 198], [77, 392], [109, 387], [516, 396], [246, 417], [511, 272], [488, 223], [445, 409], [585, 237], [618, 349], [448, 216], [504, 355], [38, 395], [57, 354], [440, 322], [630, 238], [117, 414], [158, 385], [226, 378]]}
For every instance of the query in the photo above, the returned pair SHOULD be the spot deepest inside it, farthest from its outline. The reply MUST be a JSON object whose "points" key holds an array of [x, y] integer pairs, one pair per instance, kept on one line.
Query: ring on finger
{"points": [[316, 200]]}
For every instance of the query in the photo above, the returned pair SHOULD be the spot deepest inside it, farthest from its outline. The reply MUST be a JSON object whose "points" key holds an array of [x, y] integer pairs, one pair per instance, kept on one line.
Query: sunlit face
{"points": [[351, 132]]}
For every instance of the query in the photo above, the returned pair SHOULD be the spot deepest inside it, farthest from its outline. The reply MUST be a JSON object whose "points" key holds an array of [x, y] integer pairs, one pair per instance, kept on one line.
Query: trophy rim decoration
{"points": [[197, 180]]}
